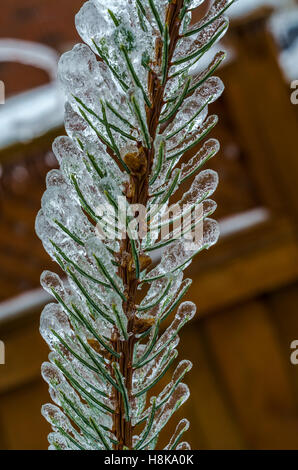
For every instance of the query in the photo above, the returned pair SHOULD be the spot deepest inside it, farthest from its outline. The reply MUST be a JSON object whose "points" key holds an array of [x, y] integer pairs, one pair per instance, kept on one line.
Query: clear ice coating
{"points": [[110, 82]]}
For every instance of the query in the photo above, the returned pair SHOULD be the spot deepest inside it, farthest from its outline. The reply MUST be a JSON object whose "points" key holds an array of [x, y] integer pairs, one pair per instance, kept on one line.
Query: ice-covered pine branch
{"points": [[137, 101]]}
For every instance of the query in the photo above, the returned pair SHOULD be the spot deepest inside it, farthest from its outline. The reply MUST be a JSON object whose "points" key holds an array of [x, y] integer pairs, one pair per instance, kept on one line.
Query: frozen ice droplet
{"points": [[193, 3], [90, 23], [54, 318], [77, 67]]}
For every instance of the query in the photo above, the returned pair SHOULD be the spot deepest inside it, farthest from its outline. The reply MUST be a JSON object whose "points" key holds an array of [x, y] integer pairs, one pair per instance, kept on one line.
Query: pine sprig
{"points": [[133, 111]]}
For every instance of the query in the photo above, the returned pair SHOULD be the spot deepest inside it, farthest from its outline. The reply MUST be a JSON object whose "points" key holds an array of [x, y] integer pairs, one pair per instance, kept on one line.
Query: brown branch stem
{"points": [[137, 192]]}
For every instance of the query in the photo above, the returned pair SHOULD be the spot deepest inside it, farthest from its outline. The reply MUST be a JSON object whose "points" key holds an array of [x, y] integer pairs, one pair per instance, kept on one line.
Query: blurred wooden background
{"points": [[244, 389]]}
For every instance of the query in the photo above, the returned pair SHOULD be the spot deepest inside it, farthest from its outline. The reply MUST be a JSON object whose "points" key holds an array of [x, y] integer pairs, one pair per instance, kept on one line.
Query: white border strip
{"points": [[22, 304]]}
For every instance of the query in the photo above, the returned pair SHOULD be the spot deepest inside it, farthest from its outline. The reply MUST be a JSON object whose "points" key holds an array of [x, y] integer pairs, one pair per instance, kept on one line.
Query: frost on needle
{"points": [[136, 101]]}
